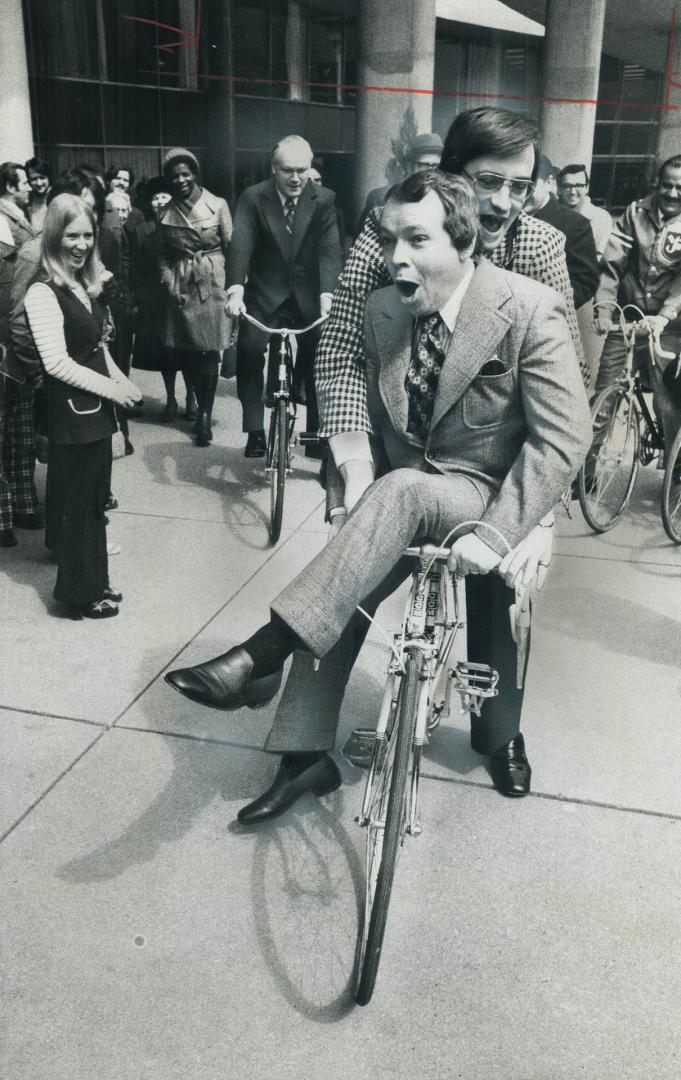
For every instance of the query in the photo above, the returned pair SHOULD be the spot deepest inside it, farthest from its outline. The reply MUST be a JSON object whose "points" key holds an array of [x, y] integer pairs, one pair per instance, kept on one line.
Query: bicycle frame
{"points": [[434, 626]]}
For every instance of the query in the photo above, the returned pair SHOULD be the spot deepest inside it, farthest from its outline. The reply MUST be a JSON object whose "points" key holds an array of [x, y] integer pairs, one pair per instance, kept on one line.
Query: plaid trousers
{"points": [[17, 459]]}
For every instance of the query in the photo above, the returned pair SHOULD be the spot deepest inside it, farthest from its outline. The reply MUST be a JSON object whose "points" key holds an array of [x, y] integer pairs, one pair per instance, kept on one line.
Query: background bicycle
{"points": [[626, 433], [280, 396]]}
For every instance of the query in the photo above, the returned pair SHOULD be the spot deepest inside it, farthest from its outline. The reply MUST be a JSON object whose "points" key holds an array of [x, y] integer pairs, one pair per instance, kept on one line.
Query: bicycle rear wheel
{"points": [[608, 475], [386, 830], [671, 492], [277, 456]]}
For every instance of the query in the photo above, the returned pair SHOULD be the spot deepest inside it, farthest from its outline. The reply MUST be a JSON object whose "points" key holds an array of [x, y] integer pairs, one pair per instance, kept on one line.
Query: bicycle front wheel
{"points": [[386, 829], [608, 475], [671, 492], [277, 454]]}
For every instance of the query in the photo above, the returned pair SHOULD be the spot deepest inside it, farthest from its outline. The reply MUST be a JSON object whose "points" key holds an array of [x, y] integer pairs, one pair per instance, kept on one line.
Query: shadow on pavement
{"points": [[307, 888]]}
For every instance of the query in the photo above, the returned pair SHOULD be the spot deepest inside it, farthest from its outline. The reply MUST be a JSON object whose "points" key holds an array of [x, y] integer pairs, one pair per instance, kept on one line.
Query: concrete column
{"points": [[571, 65], [669, 134], [296, 52], [16, 131], [397, 43]]}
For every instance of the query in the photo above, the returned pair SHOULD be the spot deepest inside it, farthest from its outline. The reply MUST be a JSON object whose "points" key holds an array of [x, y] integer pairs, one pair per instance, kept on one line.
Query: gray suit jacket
{"points": [[511, 409]]}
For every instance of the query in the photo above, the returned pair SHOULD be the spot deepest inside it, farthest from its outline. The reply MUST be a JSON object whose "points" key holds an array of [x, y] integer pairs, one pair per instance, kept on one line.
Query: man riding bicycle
{"points": [[478, 412], [642, 266]]}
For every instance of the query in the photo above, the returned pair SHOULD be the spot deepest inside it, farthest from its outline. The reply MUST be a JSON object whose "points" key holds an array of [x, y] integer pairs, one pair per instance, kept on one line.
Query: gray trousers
{"points": [[362, 565]]}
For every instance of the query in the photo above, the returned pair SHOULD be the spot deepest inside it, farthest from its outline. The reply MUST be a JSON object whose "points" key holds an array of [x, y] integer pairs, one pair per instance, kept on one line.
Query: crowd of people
{"points": [[94, 283]]}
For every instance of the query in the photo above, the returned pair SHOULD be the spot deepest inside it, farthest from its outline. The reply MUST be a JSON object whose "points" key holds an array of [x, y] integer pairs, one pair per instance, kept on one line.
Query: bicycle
{"points": [[626, 435], [282, 417], [428, 662]]}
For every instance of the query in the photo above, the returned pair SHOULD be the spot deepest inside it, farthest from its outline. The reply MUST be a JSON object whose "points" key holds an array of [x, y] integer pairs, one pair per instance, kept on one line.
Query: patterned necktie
{"points": [[289, 213], [424, 374]]}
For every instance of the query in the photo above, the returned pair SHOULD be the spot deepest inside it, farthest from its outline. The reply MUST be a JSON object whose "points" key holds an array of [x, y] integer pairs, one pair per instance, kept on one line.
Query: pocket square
{"points": [[493, 367]]}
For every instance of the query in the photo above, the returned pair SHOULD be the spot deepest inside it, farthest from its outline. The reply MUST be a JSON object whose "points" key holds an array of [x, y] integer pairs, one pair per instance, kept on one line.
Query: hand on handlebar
{"points": [[530, 559], [657, 324], [471, 555], [602, 324], [235, 305]]}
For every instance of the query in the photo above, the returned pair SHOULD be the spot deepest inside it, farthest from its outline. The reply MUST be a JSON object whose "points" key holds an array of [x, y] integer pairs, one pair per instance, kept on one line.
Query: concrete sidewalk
{"points": [[146, 937]]}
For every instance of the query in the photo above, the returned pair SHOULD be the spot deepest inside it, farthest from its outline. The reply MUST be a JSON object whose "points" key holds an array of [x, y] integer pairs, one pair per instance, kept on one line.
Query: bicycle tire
{"points": [[671, 492], [607, 478], [278, 458], [392, 808]]}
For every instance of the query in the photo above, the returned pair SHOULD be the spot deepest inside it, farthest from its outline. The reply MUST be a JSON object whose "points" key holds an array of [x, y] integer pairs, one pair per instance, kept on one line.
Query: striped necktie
{"points": [[289, 213]]}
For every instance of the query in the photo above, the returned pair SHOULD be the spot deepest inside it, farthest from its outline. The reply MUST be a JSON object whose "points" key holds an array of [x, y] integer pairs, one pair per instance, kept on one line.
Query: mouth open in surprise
{"points": [[491, 223], [406, 288]]}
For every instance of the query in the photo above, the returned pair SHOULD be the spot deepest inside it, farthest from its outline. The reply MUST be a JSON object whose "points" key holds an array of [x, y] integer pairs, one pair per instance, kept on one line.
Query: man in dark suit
{"points": [[580, 247], [478, 412], [284, 261]]}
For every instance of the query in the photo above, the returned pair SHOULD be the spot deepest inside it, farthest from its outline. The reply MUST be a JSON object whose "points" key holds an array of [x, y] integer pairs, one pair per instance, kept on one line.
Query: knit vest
{"points": [[78, 416]]}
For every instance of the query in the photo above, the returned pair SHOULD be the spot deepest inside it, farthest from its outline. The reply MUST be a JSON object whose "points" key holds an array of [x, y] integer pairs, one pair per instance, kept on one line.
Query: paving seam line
{"points": [[275, 550]]}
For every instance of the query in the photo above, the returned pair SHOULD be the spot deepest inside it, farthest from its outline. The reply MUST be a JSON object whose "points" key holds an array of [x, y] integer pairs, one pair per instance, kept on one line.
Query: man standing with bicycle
{"points": [[642, 266], [284, 261], [478, 412]]}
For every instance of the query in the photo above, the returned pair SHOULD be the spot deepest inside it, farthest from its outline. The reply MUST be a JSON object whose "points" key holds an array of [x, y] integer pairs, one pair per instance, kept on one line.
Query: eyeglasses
{"points": [[572, 187], [489, 182]]}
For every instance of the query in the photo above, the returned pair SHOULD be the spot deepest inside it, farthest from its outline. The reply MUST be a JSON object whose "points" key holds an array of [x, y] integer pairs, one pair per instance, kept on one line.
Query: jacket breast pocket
{"points": [[85, 404], [490, 400]]}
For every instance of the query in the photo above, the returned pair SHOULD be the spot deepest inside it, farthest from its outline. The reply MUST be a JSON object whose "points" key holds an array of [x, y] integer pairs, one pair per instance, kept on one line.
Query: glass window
{"points": [[635, 139], [326, 60], [64, 38], [251, 47]]}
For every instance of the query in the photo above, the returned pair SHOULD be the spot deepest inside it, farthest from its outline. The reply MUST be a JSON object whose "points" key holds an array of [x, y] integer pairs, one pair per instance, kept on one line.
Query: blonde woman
{"points": [[69, 323]]}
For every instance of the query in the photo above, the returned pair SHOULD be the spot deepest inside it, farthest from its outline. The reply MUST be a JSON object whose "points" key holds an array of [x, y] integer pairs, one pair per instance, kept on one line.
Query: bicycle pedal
{"points": [[359, 747]]}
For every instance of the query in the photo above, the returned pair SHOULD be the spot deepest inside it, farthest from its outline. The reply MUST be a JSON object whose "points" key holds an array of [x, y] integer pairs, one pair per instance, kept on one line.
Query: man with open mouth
{"points": [[479, 418], [496, 152]]}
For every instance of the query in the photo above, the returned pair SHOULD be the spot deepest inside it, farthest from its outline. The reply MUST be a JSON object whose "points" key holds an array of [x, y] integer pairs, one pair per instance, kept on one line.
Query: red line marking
{"points": [[361, 88]]}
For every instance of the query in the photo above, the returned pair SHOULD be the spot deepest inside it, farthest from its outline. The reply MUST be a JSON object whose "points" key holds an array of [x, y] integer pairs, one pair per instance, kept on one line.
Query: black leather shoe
{"points": [[510, 768], [29, 521], [255, 444], [225, 682], [320, 779]]}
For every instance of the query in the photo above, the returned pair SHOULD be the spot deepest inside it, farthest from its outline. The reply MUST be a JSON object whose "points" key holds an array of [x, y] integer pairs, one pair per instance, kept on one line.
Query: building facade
{"points": [[112, 82]]}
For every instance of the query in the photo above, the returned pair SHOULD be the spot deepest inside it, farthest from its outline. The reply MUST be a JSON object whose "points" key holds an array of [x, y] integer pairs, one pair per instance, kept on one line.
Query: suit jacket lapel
{"points": [[274, 214], [479, 328], [304, 212]]}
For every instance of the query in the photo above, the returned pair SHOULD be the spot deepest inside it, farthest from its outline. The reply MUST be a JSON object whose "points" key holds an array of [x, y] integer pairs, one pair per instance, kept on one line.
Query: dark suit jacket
{"points": [[580, 248], [274, 265], [510, 408]]}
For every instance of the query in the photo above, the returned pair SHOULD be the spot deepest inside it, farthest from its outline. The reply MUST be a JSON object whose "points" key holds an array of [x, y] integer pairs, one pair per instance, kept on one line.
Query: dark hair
{"points": [[37, 165], [72, 182], [113, 171], [9, 176], [458, 201], [671, 163], [569, 170], [488, 130]]}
